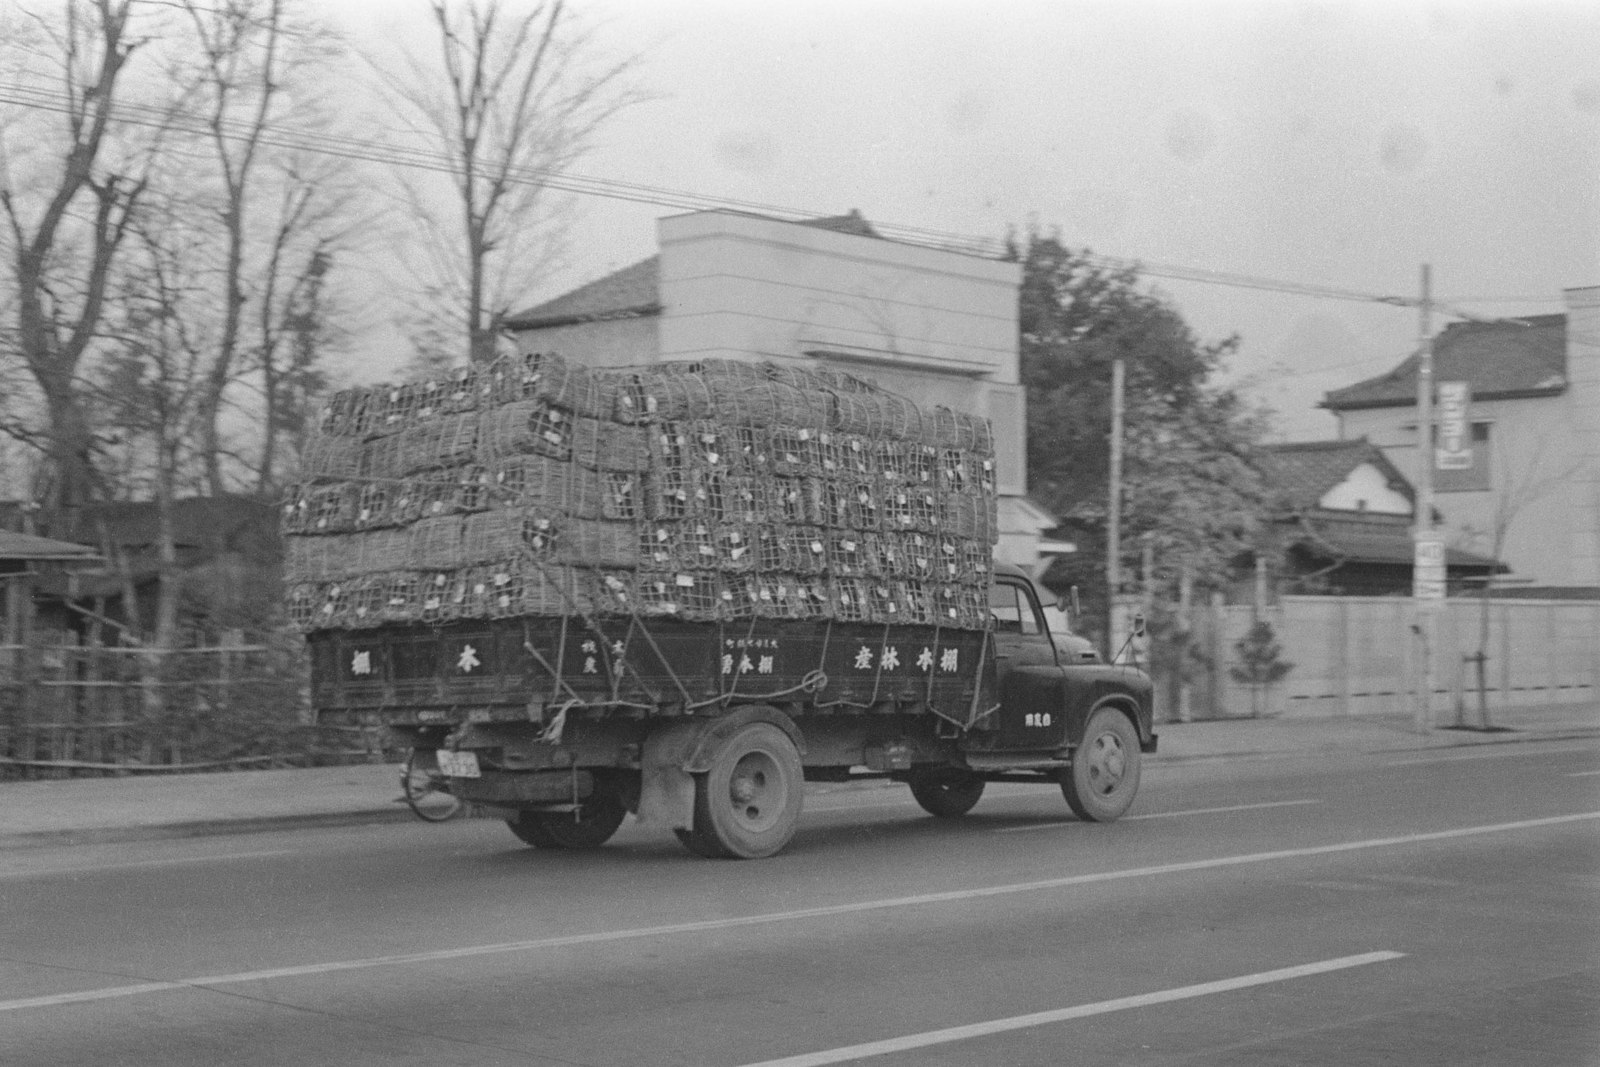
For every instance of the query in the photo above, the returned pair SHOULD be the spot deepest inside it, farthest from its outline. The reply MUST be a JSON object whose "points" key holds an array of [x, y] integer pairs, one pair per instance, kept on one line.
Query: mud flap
{"points": [[666, 790]]}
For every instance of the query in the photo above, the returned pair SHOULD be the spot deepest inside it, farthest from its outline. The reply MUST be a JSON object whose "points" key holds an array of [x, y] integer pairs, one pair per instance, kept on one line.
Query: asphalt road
{"points": [[1432, 908]]}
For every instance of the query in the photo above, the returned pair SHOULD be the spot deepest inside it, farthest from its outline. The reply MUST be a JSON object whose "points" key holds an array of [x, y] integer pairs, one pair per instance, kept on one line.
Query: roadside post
{"points": [[1428, 569]]}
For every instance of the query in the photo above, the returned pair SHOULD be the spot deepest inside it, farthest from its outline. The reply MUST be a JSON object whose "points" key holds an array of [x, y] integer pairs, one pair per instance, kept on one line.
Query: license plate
{"points": [[458, 764]]}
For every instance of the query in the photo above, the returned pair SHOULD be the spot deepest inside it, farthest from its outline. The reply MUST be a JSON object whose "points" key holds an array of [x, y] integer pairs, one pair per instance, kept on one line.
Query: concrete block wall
{"points": [[1583, 380]]}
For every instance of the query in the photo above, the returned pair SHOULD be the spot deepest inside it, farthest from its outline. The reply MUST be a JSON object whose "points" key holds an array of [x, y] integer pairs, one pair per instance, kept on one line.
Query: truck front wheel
{"points": [[747, 803], [1104, 776], [949, 794], [590, 826]]}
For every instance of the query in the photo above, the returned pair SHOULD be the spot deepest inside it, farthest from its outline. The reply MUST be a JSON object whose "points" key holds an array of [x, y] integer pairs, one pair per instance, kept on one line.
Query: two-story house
{"points": [[1529, 495], [934, 325]]}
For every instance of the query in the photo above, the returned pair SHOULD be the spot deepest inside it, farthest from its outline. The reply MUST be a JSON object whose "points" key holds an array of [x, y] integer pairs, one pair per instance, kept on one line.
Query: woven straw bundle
{"points": [[653, 396], [392, 409], [328, 457], [553, 380], [551, 487], [877, 416], [717, 490]]}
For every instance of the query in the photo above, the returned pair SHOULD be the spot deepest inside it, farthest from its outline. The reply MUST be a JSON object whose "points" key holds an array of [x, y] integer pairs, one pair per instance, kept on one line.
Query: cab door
{"points": [[1031, 680]]}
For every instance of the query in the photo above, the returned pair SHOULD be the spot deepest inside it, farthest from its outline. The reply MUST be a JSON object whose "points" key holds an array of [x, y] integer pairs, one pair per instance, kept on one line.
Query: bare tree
{"points": [[511, 97], [66, 213], [153, 385], [292, 332], [1520, 489], [309, 222], [239, 52], [253, 57]]}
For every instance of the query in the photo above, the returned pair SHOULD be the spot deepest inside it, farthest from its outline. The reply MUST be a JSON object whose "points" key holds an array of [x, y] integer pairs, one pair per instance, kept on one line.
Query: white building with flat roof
{"points": [[935, 326]]}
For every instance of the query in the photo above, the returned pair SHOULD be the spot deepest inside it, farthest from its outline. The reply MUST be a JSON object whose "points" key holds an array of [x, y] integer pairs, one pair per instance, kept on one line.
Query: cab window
{"points": [[1012, 609]]}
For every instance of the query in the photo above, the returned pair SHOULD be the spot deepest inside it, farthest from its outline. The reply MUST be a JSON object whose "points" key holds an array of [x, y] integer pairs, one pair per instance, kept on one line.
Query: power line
{"points": [[373, 151]]}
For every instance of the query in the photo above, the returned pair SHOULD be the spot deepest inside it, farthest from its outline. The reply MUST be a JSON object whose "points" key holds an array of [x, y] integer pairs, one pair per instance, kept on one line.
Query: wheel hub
{"points": [[755, 791], [1107, 763], [744, 789]]}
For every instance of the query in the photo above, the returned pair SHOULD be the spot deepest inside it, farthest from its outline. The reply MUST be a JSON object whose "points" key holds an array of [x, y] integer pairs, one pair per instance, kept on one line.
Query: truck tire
{"points": [[589, 827], [1104, 775], [946, 793], [747, 803]]}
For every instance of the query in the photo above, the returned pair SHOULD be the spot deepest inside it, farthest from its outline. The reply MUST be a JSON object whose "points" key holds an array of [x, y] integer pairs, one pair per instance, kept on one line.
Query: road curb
{"points": [[1510, 737], [111, 835]]}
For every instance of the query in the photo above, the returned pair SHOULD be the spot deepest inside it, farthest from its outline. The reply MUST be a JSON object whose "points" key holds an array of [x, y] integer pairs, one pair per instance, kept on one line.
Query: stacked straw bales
{"points": [[709, 491]]}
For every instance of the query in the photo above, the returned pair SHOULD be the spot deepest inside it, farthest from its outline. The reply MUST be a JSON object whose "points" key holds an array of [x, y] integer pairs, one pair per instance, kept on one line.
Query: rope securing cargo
{"points": [[706, 491]]}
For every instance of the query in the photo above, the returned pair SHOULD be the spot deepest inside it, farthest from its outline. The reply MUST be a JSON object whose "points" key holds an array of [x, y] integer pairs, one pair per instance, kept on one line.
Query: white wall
{"points": [[733, 285], [1583, 378], [614, 343], [1359, 656], [1366, 489]]}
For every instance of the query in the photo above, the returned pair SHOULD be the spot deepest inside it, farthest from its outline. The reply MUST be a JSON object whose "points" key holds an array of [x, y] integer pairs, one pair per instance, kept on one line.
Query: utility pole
{"points": [[1186, 630], [1147, 570], [1114, 511], [1428, 566]]}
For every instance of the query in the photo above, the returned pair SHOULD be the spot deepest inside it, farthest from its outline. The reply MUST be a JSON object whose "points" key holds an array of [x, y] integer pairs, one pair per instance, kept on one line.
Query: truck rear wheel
{"points": [[1104, 776], [590, 826], [747, 804], [947, 793]]}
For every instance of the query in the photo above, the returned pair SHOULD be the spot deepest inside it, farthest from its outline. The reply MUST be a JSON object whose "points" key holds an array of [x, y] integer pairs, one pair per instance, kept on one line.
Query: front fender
{"points": [[1090, 688]]}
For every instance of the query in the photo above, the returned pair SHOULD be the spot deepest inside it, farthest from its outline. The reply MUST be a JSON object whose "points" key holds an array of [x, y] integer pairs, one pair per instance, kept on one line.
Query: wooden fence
{"points": [[1360, 655], [71, 709]]}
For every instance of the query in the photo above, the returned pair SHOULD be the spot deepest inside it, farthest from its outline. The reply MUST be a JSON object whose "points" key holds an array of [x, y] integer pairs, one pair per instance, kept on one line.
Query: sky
{"points": [[1338, 145]]}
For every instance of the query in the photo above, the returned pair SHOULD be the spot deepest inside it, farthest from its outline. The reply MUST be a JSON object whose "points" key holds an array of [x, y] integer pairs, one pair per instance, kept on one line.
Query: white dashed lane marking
{"points": [[1081, 1011], [1167, 814]]}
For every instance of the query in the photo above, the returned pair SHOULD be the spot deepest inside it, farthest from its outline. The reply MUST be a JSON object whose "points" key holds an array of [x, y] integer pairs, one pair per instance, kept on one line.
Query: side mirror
{"points": [[1138, 624], [1072, 598]]}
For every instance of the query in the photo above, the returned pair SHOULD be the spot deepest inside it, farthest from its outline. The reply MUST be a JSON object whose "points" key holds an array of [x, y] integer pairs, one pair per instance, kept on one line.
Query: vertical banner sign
{"points": [[1454, 451], [1427, 582]]}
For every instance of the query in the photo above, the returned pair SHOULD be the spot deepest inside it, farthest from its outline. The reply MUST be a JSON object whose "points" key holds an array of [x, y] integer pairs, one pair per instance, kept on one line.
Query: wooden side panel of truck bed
{"points": [[516, 669]]}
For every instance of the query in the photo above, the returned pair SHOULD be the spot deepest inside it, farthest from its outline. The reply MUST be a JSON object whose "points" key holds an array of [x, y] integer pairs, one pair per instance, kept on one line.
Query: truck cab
{"points": [[1061, 708]]}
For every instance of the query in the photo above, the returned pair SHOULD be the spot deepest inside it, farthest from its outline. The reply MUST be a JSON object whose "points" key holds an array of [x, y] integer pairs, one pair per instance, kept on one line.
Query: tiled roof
{"points": [[852, 224], [21, 546], [1375, 539], [633, 290], [1509, 358], [636, 289], [1302, 472]]}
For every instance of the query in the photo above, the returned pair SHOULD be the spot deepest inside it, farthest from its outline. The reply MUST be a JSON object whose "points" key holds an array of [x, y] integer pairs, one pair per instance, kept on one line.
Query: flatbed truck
{"points": [[563, 725]]}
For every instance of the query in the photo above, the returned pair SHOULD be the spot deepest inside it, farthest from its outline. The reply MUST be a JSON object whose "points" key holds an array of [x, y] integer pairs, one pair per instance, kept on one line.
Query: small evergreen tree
{"points": [[1260, 664]]}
